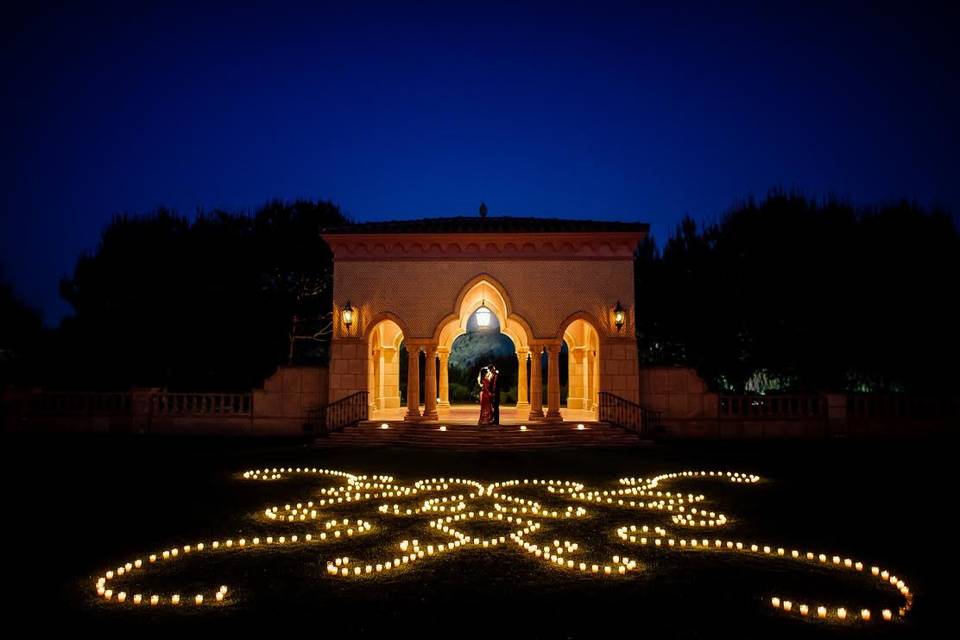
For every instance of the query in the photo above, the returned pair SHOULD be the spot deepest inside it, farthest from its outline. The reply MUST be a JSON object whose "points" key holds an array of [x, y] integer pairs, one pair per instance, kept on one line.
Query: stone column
{"points": [[523, 404], [413, 383], [536, 385], [553, 383], [444, 353], [430, 384], [389, 378], [373, 378], [589, 380], [575, 392]]}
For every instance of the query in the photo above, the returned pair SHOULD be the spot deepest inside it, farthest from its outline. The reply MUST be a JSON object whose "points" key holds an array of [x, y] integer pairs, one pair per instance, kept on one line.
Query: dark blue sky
{"points": [[608, 111]]}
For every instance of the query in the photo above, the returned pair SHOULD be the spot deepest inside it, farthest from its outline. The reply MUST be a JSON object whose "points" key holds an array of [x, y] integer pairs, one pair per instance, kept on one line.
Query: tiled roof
{"points": [[490, 224]]}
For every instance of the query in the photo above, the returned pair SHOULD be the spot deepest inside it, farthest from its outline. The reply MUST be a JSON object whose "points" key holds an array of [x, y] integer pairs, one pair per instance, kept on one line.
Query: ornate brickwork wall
{"points": [[543, 292]]}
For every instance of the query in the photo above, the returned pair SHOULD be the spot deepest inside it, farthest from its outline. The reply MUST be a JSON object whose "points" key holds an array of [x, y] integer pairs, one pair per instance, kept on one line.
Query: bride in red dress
{"points": [[488, 383]]}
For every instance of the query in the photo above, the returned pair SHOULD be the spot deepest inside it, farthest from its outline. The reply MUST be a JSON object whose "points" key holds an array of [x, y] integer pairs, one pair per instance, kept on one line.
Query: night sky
{"points": [[600, 111]]}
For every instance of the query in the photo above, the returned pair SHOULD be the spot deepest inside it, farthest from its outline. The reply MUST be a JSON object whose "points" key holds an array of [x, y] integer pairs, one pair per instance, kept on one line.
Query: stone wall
{"points": [[348, 367], [277, 409], [677, 392], [689, 410], [286, 396], [619, 372]]}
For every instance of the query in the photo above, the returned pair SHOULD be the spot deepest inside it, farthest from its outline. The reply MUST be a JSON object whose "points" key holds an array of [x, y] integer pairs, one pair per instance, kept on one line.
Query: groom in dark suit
{"points": [[496, 395]]}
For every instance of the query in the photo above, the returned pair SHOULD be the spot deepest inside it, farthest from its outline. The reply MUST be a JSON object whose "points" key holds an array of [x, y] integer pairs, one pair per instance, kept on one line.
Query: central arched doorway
{"points": [[477, 347], [484, 296]]}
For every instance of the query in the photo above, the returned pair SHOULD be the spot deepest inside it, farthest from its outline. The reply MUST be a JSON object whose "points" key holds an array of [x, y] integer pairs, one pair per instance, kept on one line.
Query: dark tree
{"points": [[21, 338], [202, 304], [791, 294]]}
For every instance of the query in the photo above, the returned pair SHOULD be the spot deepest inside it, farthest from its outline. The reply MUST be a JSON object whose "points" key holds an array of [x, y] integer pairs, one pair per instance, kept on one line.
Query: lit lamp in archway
{"points": [[348, 315], [619, 315], [483, 315]]}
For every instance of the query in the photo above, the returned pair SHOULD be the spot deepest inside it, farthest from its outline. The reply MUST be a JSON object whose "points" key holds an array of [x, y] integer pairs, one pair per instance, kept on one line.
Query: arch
{"points": [[382, 338], [380, 317], [483, 289], [587, 317], [582, 336], [487, 290]]}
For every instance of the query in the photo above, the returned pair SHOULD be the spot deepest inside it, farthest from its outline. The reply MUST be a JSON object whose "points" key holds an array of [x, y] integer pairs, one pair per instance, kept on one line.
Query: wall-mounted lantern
{"points": [[619, 316], [348, 315]]}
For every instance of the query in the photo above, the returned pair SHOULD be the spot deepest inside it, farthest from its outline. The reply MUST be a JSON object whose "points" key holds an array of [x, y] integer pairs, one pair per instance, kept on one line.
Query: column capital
{"points": [[553, 348]]}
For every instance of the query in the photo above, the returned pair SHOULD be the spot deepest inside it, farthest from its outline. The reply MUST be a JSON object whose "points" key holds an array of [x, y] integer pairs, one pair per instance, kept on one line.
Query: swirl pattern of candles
{"points": [[448, 505]]}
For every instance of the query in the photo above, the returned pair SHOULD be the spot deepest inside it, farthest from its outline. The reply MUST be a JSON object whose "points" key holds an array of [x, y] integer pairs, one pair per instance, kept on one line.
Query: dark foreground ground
{"points": [[77, 506]]}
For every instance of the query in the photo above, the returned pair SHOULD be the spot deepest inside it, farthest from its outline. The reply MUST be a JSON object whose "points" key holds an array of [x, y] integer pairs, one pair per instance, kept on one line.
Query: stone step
{"points": [[536, 436]]}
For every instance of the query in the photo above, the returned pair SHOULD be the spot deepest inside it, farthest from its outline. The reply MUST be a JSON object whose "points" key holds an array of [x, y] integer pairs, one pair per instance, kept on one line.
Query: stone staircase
{"points": [[538, 435]]}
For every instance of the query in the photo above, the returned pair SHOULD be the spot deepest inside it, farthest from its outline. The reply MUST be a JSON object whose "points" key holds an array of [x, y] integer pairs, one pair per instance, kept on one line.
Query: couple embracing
{"points": [[489, 396]]}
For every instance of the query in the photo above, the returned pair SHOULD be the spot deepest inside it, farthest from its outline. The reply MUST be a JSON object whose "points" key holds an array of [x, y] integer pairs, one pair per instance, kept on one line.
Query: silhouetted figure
{"points": [[483, 209]]}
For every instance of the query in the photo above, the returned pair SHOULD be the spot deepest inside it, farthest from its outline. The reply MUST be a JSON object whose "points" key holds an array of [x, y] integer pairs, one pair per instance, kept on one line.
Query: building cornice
{"points": [[596, 245]]}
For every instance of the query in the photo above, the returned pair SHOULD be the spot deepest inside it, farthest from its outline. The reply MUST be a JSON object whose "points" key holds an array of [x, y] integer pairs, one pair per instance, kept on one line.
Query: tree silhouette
{"points": [[201, 304], [790, 293], [21, 338]]}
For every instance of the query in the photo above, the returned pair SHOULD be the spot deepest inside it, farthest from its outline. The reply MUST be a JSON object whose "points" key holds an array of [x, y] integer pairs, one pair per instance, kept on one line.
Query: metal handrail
{"points": [[329, 418], [628, 414]]}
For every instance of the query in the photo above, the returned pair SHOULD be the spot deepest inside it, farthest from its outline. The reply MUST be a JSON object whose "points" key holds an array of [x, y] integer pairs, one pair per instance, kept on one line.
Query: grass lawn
{"points": [[78, 506]]}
